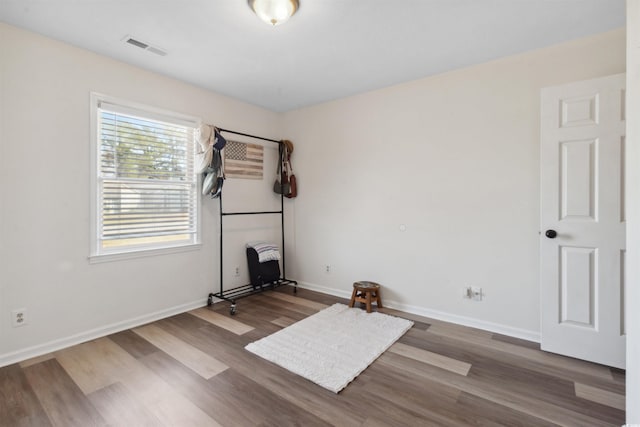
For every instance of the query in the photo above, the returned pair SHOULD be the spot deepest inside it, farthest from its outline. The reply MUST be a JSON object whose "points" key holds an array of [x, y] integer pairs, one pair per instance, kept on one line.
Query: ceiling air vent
{"points": [[145, 46]]}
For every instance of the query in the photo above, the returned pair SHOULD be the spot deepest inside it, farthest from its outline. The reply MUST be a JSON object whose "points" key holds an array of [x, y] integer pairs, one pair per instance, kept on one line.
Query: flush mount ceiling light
{"points": [[274, 12]]}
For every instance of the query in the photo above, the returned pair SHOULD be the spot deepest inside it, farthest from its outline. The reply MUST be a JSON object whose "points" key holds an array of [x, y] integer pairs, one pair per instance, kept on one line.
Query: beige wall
{"points": [[44, 191], [454, 158]]}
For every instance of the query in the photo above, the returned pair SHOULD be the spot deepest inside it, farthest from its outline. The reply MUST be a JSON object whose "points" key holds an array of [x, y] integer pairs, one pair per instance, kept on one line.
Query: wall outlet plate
{"points": [[19, 317], [473, 293], [476, 294]]}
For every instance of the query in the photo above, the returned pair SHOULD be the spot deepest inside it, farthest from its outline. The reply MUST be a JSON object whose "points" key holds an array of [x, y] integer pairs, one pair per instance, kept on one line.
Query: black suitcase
{"points": [[261, 273]]}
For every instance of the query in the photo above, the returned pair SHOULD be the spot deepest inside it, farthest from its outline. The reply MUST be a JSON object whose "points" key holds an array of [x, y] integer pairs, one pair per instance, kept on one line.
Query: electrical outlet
{"points": [[473, 293], [237, 271], [327, 268], [19, 317]]}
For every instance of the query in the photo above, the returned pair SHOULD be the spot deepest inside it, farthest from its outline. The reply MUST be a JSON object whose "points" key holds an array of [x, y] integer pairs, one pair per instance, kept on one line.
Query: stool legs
{"points": [[378, 299], [367, 297], [353, 298]]}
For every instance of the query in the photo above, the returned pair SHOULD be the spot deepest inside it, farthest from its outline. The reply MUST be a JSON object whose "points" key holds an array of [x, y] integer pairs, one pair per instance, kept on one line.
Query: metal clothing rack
{"points": [[233, 294]]}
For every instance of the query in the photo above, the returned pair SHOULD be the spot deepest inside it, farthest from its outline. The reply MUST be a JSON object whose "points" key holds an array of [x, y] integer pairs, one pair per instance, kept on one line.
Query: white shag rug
{"points": [[333, 346]]}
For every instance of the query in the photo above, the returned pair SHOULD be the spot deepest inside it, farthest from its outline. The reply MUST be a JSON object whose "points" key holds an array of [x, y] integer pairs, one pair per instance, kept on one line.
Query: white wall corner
{"points": [[632, 293]]}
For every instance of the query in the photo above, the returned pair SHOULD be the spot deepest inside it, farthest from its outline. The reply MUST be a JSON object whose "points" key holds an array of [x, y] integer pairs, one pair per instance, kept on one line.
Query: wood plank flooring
{"points": [[192, 370]]}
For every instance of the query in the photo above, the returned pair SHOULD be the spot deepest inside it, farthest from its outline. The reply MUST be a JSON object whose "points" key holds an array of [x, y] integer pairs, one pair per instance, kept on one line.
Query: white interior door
{"points": [[582, 246]]}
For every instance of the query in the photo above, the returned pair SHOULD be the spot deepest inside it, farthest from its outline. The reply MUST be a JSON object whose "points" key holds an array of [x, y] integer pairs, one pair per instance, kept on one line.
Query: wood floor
{"points": [[192, 370]]}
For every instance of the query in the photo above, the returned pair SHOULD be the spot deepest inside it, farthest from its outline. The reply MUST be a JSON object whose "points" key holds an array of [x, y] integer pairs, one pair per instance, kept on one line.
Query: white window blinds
{"points": [[147, 187]]}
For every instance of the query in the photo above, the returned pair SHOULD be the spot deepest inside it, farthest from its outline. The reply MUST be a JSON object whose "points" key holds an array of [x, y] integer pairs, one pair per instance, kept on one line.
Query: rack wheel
{"points": [[210, 300], [232, 309]]}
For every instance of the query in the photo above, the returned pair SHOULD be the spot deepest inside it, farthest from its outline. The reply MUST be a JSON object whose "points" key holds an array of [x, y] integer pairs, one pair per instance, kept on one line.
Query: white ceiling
{"points": [[328, 50]]}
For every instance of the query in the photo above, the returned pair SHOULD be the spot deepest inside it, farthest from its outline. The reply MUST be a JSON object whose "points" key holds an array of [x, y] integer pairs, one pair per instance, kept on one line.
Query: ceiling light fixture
{"points": [[274, 12]]}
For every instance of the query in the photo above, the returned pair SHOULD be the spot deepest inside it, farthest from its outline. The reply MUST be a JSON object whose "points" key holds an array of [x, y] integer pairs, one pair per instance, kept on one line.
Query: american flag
{"points": [[243, 160]]}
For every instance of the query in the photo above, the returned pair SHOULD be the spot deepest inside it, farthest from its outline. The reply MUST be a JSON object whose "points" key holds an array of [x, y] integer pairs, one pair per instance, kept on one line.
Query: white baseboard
{"points": [[438, 315], [322, 289], [55, 345]]}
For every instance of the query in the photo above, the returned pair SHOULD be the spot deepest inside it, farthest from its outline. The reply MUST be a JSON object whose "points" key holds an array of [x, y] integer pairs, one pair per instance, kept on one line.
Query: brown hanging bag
{"points": [[281, 184], [293, 185]]}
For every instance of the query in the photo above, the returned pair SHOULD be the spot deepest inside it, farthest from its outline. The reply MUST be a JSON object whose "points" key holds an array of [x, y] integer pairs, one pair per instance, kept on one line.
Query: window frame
{"points": [[97, 253]]}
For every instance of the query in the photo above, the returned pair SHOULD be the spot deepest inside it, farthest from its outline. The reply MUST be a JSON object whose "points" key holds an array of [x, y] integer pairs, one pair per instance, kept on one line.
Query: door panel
{"points": [[577, 163], [577, 286], [579, 111], [582, 199]]}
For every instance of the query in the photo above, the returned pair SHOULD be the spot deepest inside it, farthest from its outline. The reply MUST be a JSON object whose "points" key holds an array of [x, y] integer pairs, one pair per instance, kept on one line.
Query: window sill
{"points": [[143, 253]]}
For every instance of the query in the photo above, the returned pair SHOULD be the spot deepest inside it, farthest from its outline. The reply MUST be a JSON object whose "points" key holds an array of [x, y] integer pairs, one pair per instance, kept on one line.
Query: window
{"points": [[146, 189]]}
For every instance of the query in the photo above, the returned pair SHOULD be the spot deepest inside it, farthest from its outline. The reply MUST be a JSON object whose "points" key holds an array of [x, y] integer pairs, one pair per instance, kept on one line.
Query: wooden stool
{"points": [[365, 292]]}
